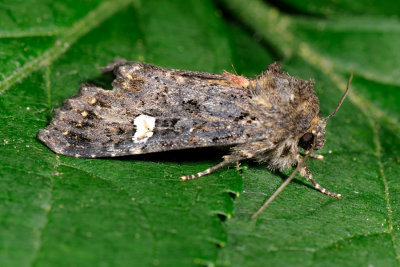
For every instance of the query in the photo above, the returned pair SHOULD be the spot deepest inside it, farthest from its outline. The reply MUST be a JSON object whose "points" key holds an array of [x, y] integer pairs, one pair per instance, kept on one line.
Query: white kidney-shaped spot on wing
{"points": [[144, 128]]}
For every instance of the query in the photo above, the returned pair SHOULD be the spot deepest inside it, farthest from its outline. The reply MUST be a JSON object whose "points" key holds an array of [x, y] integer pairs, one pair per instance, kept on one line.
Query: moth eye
{"points": [[306, 140]]}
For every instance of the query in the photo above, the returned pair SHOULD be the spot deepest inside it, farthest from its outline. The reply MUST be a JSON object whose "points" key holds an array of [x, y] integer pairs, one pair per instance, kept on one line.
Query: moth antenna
{"points": [[342, 99], [288, 180]]}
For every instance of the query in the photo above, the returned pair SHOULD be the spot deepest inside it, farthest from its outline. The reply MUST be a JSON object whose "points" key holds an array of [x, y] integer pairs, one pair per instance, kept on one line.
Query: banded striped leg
{"points": [[238, 154], [227, 161], [305, 172]]}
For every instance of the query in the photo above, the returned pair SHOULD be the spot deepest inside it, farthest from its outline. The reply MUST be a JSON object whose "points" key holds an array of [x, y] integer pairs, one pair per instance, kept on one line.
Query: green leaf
{"points": [[57, 210]]}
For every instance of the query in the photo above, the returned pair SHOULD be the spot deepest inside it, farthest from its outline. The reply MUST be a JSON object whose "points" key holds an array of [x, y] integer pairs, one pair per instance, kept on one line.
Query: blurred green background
{"points": [[133, 211]]}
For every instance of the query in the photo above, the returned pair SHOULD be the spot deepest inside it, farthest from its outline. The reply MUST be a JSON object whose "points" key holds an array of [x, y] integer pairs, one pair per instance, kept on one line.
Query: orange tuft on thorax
{"points": [[239, 81]]}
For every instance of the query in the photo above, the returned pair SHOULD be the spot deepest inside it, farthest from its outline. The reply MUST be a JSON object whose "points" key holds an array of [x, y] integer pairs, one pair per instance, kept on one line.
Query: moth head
{"points": [[316, 132]]}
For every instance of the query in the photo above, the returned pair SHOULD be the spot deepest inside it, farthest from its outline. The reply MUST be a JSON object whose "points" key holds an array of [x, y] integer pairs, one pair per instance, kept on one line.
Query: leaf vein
{"points": [[48, 209], [386, 190], [70, 36]]}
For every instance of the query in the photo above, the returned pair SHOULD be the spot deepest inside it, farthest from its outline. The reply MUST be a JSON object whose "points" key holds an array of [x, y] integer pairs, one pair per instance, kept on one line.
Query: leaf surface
{"points": [[57, 210]]}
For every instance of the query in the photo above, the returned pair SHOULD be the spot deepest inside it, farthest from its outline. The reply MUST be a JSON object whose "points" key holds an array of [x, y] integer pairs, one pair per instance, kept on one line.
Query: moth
{"points": [[270, 118]]}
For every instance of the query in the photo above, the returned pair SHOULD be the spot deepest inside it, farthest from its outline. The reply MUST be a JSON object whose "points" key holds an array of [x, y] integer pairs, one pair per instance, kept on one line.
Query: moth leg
{"points": [[306, 173], [227, 160], [316, 156], [237, 155], [237, 165]]}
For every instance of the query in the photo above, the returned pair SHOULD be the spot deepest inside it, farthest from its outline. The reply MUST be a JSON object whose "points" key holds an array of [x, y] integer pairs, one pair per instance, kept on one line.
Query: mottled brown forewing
{"points": [[153, 109]]}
